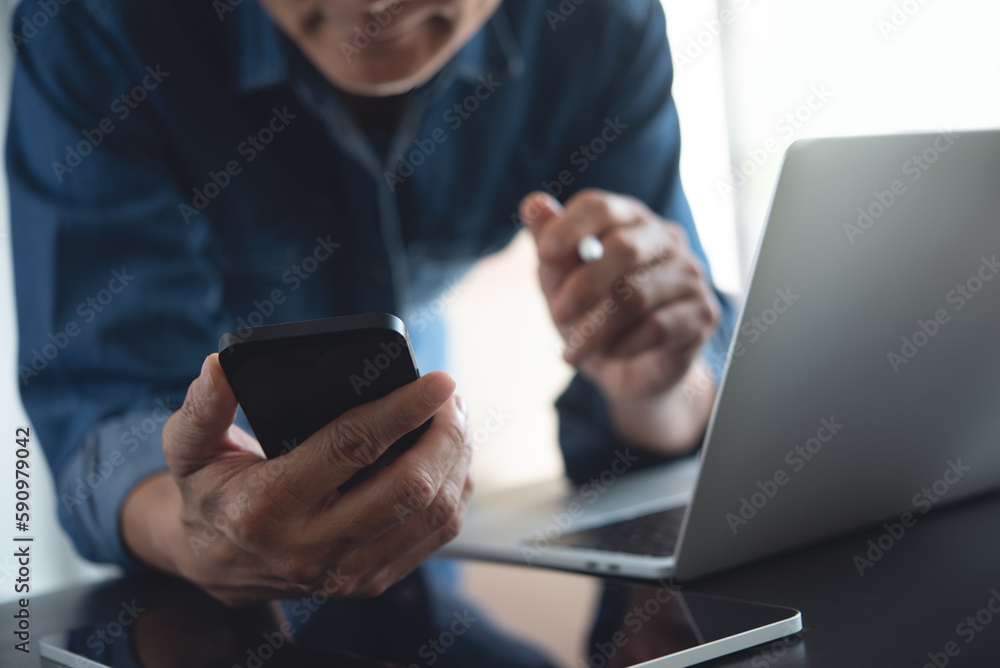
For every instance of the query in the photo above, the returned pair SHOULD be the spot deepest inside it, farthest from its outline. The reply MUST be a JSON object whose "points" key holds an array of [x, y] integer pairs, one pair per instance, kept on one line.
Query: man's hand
{"points": [[634, 320], [245, 528]]}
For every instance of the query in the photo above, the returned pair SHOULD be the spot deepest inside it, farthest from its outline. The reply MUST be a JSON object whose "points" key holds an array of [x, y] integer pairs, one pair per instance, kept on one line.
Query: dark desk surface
{"points": [[909, 603]]}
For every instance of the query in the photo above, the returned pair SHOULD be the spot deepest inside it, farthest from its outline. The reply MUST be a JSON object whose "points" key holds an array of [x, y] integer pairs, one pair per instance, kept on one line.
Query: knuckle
{"points": [[641, 299], [457, 435], [699, 270], [681, 235], [661, 326], [414, 490], [710, 312], [445, 509], [300, 571], [629, 209], [636, 259], [594, 202], [619, 246], [354, 441], [688, 285], [451, 530], [691, 270], [345, 587]]}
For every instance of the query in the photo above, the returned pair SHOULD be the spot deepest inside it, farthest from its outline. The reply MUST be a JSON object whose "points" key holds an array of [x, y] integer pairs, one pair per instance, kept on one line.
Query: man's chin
{"points": [[385, 81], [402, 64], [384, 86]]}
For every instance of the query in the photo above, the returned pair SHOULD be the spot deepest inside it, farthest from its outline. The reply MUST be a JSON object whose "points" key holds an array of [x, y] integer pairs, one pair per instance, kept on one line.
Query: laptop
{"points": [[860, 389]]}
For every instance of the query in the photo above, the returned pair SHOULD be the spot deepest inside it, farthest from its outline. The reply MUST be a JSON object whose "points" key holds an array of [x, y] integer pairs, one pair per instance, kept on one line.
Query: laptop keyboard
{"points": [[653, 535]]}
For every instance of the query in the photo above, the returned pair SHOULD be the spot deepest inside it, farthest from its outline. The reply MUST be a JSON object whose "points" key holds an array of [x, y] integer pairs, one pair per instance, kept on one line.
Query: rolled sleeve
{"points": [[118, 302], [115, 456]]}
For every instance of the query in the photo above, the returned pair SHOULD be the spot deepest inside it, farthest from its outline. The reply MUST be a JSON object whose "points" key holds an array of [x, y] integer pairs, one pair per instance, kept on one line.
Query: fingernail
{"points": [[535, 204], [437, 390], [528, 210], [207, 382], [547, 200]]}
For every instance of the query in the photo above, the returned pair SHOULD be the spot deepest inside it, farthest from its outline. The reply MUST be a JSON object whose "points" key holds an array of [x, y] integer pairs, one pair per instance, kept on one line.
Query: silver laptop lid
{"points": [[864, 378]]}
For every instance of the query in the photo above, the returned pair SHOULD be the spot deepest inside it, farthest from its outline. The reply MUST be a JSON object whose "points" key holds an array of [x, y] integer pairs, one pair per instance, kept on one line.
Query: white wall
{"points": [[891, 66], [735, 80]]}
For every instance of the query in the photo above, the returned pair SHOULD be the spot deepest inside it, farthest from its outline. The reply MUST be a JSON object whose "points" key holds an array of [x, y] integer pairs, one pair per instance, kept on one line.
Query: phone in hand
{"points": [[293, 379]]}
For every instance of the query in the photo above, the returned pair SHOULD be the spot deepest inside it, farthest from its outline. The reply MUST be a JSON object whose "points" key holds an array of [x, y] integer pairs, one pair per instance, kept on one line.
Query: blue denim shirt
{"points": [[178, 171]]}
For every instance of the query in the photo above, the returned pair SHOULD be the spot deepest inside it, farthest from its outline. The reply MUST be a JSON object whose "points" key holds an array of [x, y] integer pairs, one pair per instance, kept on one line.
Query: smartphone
{"points": [[293, 379]]}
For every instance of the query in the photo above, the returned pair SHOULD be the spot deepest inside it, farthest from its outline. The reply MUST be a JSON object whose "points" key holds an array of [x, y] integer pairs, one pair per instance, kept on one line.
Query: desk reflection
{"points": [[165, 623], [526, 618]]}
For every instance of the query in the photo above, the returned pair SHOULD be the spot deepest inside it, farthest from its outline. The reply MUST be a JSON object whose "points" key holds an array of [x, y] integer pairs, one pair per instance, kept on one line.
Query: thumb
{"points": [[196, 433], [537, 209]]}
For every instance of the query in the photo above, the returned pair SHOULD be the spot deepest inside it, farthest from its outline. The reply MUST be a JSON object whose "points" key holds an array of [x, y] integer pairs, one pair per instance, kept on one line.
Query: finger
{"points": [[626, 250], [590, 212], [644, 291], [195, 434], [406, 487], [326, 460], [413, 532], [675, 327], [398, 568], [537, 209]]}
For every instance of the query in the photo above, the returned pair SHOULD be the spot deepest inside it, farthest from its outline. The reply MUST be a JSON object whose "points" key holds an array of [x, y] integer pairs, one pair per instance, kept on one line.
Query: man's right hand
{"points": [[245, 528]]}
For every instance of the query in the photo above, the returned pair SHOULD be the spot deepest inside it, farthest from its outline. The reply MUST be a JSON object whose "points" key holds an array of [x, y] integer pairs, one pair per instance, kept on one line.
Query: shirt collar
{"points": [[263, 63], [493, 50], [261, 59]]}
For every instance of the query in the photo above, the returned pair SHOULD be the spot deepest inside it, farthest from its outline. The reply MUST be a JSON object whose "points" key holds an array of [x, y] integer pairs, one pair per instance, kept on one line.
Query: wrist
{"points": [[151, 524], [671, 422]]}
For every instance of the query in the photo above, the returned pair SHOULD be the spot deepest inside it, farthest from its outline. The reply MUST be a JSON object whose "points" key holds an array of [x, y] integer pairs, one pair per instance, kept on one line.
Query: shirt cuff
{"points": [[590, 446], [116, 455]]}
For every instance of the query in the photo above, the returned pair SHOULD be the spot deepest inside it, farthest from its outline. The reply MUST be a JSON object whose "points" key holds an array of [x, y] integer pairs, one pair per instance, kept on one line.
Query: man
{"points": [[179, 169]]}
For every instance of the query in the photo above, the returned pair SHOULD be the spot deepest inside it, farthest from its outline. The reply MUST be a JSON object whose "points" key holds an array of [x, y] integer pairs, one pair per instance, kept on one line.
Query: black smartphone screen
{"points": [[293, 379]]}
